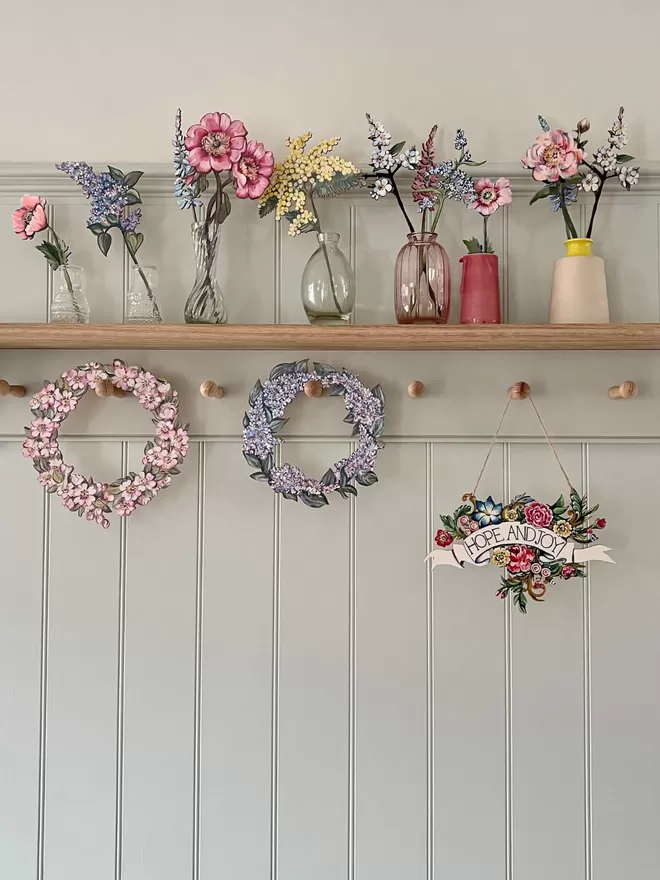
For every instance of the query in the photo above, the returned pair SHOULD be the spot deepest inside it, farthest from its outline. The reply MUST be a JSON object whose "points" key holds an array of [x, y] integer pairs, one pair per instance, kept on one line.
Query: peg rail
{"points": [[353, 337]]}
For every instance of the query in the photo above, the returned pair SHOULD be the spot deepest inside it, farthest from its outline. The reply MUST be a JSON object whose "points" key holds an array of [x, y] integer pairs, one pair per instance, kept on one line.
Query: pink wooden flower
{"points": [[521, 558], [538, 514], [491, 196], [253, 171], [30, 218], [216, 143], [168, 412], [554, 155]]}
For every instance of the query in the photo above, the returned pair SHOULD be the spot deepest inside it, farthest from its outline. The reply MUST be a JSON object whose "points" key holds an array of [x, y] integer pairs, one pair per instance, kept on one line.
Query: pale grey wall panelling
{"points": [[468, 726], [240, 591], [315, 563], [81, 719], [161, 580], [625, 609], [391, 668], [25, 286], [168, 246], [548, 696], [22, 519]]}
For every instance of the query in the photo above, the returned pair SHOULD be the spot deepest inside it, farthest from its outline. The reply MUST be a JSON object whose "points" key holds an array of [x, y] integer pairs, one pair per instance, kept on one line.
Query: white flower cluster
{"points": [[386, 160], [609, 159]]}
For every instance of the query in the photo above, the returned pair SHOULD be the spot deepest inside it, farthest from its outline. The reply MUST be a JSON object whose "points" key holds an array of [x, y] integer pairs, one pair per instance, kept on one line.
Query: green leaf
{"points": [[396, 149], [379, 394], [367, 479], [541, 194], [253, 460], [622, 158], [133, 198], [349, 418], [132, 178], [302, 366], [246, 420], [337, 391], [52, 253], [356, 430], [378, 426], [473, 245], [290, 496], [276, 425], [347, 490], [323, 369], [104, 240], [313, 500], [116, 174], [473, 164], [259, 477], [267, 207], [328, 478], [340, 183], [96, 228], [225, 208], [256, 391], [134, 241], [281, 370]]}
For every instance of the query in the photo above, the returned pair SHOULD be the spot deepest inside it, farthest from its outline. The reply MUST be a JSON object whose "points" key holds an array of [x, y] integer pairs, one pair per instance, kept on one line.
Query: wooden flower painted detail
{"points": [[533, 544]]}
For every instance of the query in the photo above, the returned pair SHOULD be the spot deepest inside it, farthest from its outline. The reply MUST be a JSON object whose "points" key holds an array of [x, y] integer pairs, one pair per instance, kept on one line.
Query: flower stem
{"points": [[437, 212], [62, 248], [325, 253], [599, 192], [485, 233], [147, 286], [397, 195]]}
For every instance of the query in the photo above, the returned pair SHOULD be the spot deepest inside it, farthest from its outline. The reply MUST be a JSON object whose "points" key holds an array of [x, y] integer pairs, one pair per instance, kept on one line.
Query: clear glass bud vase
{"points": [[421, 281], [205, 304], [68, 303], [141, 303], [328, 283]]}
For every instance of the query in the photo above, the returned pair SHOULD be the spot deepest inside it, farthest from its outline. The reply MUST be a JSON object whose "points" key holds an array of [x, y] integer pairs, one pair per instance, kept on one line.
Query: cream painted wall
{"points": [[102, 81]]}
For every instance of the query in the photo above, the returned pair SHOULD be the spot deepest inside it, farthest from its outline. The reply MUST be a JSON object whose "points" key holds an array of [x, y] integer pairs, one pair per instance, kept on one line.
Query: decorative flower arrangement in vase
{"points": [[422, 283], [480, 282], [328, 282], [68, 302], [216, 146], [557, 159], [111, 194]]}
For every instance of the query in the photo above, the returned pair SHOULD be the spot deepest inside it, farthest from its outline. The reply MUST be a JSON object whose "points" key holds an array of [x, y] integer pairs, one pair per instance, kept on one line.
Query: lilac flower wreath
{"points": [[162, 455], [365, 410]]}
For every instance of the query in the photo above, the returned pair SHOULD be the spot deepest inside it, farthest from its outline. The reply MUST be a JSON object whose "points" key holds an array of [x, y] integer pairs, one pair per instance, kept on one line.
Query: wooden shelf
{"points": [[299, 337]]}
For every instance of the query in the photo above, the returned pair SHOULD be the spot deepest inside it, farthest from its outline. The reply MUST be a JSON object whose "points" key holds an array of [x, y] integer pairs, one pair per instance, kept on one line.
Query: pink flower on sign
{"points": [[253, 171], [30, 218], [538, 514], [568, 571], [491, 196], [443, 538], [554, 156], [521, 558], [216, 143]]}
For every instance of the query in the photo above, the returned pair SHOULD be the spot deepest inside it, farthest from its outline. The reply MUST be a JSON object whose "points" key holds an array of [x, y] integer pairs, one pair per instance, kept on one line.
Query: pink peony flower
{"points": [[30, 218], [568, 572], [521, 558], [216, 143], [253, 171], [443, 538], [538, 514], [553, 156], [491, 196]]}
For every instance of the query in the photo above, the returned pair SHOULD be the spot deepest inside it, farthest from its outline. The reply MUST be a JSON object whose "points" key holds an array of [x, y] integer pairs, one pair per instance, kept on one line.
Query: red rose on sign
{"points": [[443, 538], [538, 514], [601, 523], [520, 558], [568, 572]]}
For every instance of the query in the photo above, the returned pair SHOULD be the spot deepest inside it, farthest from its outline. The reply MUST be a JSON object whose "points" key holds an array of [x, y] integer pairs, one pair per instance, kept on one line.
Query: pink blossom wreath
{"points": [[162, 455]]}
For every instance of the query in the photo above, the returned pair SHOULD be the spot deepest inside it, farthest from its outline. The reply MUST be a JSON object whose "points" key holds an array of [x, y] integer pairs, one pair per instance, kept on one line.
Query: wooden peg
{"points": [[104, 388], [416, 389], [12, 390], [313, 388], [210, 389], [623, 391], [519, 391]]}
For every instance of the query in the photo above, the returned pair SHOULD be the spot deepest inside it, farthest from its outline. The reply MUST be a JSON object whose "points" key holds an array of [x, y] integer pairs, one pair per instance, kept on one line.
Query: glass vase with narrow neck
{"points": [[422, 284], [205, 303], [68, 303], [328, 283], [141, 303]]}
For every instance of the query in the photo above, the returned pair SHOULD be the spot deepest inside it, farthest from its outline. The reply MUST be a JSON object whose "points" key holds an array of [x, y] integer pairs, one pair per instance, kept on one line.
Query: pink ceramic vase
{"points": [[421, 281], [480, 289]]}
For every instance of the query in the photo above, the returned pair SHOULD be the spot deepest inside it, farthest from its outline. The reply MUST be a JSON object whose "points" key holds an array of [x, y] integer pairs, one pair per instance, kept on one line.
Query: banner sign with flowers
{"points": [[532, 542]]}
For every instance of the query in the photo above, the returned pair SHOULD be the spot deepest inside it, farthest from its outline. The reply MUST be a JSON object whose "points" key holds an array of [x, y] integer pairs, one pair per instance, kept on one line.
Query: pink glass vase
{"points": [[421, 281], [480, 289]]}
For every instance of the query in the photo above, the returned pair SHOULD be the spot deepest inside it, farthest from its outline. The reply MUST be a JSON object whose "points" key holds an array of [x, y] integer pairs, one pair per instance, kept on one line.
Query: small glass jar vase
{"points": [[68, 303], [205, 304], [328, 283], [422, 285], [141, 304]]}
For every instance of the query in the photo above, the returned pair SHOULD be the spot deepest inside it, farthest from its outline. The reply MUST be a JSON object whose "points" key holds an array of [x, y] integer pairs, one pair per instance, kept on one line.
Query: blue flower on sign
{"points": [[487, 513]]}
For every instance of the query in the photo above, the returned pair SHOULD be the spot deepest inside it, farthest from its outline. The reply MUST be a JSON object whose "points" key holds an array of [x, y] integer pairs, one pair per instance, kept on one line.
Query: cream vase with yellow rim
{"points": [[579, 289]]}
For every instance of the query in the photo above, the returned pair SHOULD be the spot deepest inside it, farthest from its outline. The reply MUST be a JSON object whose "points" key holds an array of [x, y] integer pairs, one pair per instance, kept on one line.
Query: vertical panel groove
{"points": [[277, 273], [430, 679], [50, 275], [199, 619], [125, 275], [275, 684], [657, 240], [352, 253], [121, 685], [508, 695], [505, 269], [352, 580], [43, 683], [586, 647]]}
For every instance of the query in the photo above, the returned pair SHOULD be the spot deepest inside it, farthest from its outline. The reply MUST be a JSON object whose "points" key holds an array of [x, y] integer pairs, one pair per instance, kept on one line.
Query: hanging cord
{"points": [[497, 434]]}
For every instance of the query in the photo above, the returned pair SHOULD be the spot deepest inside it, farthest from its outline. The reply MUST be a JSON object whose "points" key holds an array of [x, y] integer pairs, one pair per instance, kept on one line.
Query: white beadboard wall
{"points": [[226, 686]]}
